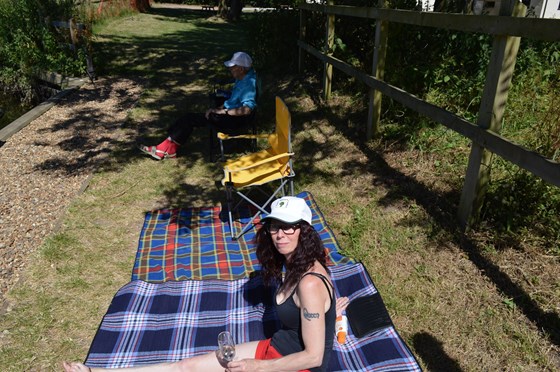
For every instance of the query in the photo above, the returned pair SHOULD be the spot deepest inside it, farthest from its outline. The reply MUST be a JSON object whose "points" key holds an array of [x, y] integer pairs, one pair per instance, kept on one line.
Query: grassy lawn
{"points": [[454, 299]]}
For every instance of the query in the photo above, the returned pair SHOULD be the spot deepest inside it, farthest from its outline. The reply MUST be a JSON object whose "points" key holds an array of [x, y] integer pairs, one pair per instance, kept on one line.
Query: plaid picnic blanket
{"points": [[157, 322], [195, 244]]}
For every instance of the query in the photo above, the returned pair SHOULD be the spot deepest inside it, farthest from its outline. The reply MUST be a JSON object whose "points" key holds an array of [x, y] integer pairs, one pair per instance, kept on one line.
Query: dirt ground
{"points": [[46, 164]]}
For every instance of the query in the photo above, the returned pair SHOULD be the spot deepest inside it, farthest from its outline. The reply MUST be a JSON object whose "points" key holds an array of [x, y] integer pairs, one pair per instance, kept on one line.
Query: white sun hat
{"points": [[239, 59], [290, 209]]}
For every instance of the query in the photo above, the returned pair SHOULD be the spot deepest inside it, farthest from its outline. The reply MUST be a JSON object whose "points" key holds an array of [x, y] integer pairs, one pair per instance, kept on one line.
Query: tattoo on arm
{"points": [[307, 315]]}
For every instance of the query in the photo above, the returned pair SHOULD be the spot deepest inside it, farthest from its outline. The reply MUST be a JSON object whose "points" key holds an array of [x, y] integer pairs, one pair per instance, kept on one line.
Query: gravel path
{"points": [[49, 162]]}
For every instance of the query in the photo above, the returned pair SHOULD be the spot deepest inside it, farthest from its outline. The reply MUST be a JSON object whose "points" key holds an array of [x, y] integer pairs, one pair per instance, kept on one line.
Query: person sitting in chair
{"points": [[234, 113]]}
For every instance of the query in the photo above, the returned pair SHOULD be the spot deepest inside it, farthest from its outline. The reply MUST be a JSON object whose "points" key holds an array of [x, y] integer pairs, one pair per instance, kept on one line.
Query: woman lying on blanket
{"points": [[305, 302]]}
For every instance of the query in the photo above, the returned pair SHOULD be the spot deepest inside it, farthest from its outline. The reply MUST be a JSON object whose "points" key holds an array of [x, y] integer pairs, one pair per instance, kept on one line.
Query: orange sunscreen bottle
{"points": [[341, 327]]}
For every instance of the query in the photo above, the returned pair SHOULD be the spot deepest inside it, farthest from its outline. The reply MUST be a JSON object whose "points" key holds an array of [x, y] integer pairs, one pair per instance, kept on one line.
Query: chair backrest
{"points": [[281, 142]]}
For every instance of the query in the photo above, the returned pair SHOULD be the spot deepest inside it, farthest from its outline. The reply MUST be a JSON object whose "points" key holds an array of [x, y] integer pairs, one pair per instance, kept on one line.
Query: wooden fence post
{"points": [[378, 71], [329, 44], [490, 116]]}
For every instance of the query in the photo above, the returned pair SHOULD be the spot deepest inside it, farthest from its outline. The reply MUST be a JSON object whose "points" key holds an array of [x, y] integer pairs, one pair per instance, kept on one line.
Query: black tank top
{"points": [[289, 340]]}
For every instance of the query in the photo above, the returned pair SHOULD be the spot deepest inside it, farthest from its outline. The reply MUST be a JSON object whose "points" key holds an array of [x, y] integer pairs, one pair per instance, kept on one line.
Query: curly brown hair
{"points": [[309, 249]]}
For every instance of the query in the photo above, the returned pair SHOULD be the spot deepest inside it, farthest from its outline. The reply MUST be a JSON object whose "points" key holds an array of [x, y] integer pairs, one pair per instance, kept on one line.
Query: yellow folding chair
{"points": [[260, 168]]}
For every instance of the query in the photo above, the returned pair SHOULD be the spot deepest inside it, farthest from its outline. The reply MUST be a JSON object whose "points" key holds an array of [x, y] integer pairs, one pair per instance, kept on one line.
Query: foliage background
{"points": [[29, 44]]}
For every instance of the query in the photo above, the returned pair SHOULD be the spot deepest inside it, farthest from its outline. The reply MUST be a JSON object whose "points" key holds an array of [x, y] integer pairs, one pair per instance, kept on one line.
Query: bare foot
{"points": [[341, 304], [75, 367]]}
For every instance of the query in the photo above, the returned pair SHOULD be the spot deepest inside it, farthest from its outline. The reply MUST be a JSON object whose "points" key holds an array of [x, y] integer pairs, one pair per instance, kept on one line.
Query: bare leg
{"points": [[204, 363], [79, 367]]}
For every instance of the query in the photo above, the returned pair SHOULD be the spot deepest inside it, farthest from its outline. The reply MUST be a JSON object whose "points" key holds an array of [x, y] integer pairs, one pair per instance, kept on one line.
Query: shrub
{"points": [[29, 43]]}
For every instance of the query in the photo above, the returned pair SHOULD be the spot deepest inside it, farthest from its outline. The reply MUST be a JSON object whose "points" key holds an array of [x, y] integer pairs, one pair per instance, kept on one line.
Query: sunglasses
{"points": [[273, 228]]}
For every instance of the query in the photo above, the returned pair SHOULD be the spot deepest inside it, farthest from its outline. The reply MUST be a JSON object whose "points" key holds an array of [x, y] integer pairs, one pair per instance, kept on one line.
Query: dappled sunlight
{"points": [[457, 299]]}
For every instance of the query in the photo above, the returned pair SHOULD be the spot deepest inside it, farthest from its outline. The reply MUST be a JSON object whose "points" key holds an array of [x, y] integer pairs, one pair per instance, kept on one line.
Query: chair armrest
{"points": [[259, 163], [225, 137]]}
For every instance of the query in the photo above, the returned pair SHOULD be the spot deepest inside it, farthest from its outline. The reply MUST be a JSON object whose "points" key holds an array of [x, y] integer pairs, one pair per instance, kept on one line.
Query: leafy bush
{"points": [[517, 202], [29, 44]]}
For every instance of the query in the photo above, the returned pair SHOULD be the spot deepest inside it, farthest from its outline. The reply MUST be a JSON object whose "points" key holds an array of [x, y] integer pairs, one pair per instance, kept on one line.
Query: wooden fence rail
{"points": [[507, 28], [533, 28], [76, 31]]}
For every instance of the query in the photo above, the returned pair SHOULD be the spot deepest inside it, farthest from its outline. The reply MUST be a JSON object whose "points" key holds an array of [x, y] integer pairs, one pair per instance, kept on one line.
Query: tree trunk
{"points": [[235, 10], [140, 5]]}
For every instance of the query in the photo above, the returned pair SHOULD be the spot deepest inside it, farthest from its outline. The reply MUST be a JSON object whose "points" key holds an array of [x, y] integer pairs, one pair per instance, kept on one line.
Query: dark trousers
{"points": [[183, 127]]}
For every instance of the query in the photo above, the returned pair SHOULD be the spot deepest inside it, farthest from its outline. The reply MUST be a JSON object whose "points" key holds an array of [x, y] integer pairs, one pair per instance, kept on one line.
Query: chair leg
{"points": [[212, 134], [291, 186], [288, 189], [229, 201], [222, 152], [254, 129]]}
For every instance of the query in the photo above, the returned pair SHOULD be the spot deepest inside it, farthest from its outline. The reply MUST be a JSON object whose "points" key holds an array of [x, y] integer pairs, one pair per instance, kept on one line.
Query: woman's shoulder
{"points": [[312, 288], [314, 279]]}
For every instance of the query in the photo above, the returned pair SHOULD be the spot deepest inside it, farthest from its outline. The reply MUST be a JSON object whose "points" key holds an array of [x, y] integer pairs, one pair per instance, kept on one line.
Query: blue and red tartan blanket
{"points": [[190, 281], [157, 322], [195, 244]]}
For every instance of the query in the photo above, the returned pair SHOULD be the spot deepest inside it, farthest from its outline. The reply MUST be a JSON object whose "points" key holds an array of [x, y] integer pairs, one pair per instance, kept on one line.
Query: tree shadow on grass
{"points": [[430, 349]]}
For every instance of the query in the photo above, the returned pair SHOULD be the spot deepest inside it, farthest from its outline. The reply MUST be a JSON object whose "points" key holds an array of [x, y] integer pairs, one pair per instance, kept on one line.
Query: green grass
{"points": [[453, 298], [55, 248]]}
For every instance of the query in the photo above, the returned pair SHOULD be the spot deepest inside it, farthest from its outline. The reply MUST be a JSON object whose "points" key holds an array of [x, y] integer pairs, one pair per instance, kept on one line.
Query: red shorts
{"points": [[266, 351]]}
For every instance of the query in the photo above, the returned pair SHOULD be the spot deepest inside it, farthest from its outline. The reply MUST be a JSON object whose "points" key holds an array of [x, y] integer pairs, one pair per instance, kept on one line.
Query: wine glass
{"points": [[226, 346]]}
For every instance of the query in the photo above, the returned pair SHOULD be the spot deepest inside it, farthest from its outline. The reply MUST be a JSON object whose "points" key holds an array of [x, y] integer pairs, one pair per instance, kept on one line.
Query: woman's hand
{"points": [[244, 365], [341, 304]]}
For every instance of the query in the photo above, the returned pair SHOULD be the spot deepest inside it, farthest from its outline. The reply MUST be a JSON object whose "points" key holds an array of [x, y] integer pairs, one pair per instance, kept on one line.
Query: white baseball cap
{"points": [[239, 59], [290, 209]]}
